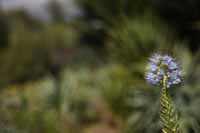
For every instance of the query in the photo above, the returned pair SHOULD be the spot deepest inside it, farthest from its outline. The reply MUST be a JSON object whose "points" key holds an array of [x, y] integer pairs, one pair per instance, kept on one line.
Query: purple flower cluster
{"points": [[161, 66]]}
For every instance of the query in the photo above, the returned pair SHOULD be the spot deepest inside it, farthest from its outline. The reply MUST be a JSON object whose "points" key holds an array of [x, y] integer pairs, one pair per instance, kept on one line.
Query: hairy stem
{"points": [[167, 115]]}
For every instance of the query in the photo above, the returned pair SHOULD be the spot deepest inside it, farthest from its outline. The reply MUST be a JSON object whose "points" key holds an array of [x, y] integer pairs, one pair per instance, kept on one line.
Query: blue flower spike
{"points": [[161, 66], [164, 70]]}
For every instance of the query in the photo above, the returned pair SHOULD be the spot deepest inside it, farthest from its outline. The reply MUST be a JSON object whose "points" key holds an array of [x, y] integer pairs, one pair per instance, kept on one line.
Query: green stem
{"points": [[166, 111]]}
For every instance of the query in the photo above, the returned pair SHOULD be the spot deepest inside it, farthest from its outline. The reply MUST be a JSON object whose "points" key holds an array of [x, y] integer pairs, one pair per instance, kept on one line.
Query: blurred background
{"points": [[77, 66]]}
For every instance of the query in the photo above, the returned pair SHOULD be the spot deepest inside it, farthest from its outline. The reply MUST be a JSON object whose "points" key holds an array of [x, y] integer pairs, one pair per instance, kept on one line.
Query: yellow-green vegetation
{"points": [[86, 74]]}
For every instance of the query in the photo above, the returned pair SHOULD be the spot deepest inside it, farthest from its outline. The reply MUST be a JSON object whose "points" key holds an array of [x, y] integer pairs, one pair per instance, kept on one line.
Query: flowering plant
{"points": [[164, 70]]}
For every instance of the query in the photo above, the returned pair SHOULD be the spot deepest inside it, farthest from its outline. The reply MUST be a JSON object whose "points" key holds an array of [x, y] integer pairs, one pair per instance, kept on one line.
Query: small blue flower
{"points": [[152, 78], [166, 59], [152, 67], [161, 72], [161, 66], [155, 59], [173, 65]]}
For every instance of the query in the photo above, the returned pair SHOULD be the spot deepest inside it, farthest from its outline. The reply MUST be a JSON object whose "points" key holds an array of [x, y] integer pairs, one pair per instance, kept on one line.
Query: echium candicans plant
{"points": [[164, 71]]}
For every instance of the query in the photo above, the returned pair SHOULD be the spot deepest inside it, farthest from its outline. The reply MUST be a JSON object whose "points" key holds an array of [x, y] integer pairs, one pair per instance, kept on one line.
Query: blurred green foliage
{"points": [[33, 52], [92, 69]]}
